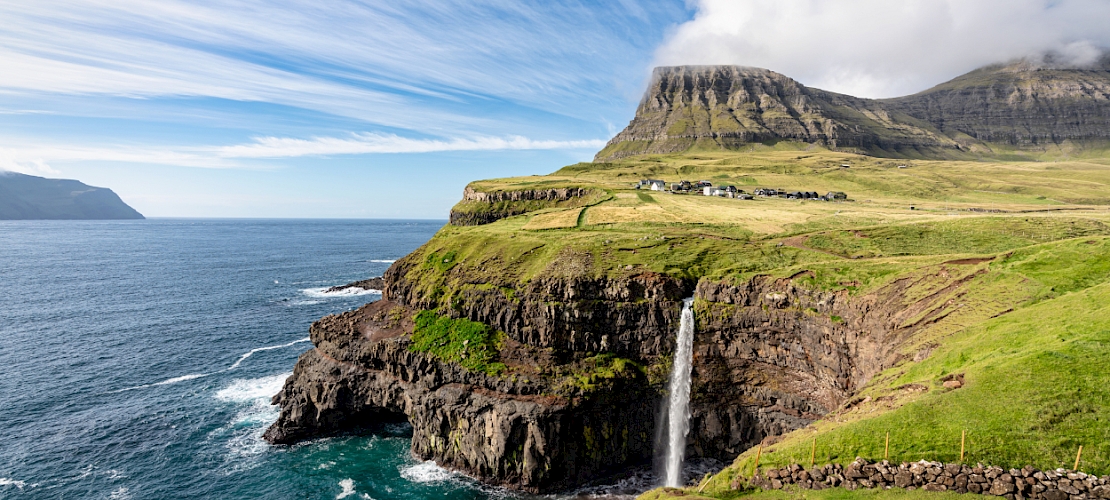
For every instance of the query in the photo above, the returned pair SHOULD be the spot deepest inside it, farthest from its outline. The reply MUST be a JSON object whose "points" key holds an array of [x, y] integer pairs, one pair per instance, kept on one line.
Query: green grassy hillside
{"points": [[1027, 330]]}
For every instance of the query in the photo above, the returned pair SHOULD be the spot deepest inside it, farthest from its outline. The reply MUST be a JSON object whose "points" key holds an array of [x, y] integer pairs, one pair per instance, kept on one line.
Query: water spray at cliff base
{"points": [[677, 413]]}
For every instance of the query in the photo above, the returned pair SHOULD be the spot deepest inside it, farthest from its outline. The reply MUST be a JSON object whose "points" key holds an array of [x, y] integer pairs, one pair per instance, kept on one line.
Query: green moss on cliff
{"points": [[600, 371], [472, 345]]}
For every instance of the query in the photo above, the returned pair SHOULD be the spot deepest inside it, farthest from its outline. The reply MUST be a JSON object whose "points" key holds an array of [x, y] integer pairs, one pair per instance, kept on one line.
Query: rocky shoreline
{"points": [[377, 284], [1012, 484]]}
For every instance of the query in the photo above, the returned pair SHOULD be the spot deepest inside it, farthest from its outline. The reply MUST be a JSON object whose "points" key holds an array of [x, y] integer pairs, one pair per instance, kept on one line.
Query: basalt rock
{"points": [[367, 284], [478, 207], [507, 431]]}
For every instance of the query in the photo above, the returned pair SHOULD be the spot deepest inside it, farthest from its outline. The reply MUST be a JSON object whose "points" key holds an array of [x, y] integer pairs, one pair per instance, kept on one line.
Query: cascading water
{"points": [[678, 399]]}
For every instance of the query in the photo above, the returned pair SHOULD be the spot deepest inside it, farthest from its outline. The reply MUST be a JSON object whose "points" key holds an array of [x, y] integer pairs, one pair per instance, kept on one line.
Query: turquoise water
{"points": [[139, 358]]}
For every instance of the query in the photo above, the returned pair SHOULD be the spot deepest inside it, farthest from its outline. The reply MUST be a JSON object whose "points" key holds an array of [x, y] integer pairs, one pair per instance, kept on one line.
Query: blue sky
{"points": [[309, 109], [298, 108]]}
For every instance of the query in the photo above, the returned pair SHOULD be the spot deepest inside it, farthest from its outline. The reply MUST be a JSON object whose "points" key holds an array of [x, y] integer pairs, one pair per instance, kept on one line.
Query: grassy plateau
{"points": [[1028, 332]]}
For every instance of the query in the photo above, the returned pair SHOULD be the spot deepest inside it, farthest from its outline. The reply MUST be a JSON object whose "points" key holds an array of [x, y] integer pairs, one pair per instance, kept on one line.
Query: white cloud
{"points": [[36, 166], [880, 48], [32, 159], [285, 147]]}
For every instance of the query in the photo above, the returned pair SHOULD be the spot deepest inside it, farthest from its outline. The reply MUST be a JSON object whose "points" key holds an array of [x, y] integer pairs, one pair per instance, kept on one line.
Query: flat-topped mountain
{"points": [[988, 112], [30, 197]]}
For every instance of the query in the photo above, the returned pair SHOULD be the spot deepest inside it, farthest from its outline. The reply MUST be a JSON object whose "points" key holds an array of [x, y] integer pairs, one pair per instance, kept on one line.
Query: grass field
{"points": [[1029, 333]]}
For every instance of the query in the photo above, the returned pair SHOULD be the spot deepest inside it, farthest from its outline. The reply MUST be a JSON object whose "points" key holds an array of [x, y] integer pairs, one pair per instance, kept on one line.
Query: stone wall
{"points": [[1012, 484]]}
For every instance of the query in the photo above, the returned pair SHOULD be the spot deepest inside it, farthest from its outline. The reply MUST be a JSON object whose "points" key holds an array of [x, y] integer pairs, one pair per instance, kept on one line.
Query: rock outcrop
{"points": [[1023, 106], [479, 207], [367, 284], [513, 431]]}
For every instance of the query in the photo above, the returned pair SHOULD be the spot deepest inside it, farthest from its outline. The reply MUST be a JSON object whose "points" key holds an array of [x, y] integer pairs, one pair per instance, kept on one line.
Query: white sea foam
{"points": [[249, 353], [121, 493], [7, 481], [253, 389], [182, 378], [351, 291], [383, 261], [426, 472], [242, 436], [242, 357], [348, 486], [169, 381]]}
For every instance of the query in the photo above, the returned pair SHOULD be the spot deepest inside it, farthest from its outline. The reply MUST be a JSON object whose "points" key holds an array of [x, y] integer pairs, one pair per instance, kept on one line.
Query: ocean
{"points": [[139, 359]]}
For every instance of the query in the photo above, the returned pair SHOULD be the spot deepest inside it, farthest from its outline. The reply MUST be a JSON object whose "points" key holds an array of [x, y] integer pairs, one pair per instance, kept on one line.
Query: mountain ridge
{"points": [[992, 111]]}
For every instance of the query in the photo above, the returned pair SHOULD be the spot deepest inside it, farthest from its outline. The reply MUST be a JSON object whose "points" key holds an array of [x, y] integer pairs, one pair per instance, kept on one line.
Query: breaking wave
{"points": [[250, 390], [251, 352], [353, 291], [426, 472], [383, 261]]}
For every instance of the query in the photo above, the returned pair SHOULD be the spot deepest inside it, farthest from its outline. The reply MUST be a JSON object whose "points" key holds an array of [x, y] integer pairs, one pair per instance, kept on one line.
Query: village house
{"points": [[652, 184]]}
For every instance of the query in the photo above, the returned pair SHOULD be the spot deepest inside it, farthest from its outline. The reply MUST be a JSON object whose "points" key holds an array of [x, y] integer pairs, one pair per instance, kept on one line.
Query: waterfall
{"points": [[678, 399]]}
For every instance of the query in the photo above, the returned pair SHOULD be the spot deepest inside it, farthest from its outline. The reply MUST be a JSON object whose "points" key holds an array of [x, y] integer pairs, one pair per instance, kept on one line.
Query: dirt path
{"points": [[799, 242]]}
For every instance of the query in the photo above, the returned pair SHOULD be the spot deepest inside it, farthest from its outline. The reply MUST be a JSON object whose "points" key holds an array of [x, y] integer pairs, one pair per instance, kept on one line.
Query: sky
{"points": [[368, 109]]}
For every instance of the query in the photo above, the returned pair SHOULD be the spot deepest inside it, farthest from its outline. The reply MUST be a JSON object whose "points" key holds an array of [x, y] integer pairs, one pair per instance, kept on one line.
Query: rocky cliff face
{"points": [[770, 357], [507, 431], [1022, 105], [477, 207], [730, 106]]}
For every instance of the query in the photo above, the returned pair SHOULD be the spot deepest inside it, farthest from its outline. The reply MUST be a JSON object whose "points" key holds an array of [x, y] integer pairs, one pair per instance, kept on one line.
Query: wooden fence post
{"points": [[1077, 455], [813, 453], [963, 439], [886, 449], [758, 453]]}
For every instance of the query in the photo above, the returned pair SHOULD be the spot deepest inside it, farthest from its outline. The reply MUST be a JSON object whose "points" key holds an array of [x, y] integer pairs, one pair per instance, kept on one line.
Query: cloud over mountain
{"points": [[878, 48]]}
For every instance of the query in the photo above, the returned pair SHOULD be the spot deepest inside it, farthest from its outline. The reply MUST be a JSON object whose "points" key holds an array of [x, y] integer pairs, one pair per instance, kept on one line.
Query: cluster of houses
{"points": [[707, 188]]}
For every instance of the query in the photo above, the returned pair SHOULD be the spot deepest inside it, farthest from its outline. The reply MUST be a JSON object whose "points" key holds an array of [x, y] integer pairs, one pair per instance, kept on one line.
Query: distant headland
{"points": [[27, 197]]}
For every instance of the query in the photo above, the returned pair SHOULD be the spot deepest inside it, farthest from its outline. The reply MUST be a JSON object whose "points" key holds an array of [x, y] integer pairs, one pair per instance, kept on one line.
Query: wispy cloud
{"points": [[879, 48], [35, 159], [284, 147], [398, 65]]}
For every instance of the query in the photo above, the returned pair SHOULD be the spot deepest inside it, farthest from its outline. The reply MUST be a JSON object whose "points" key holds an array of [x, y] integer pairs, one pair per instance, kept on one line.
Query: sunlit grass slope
{"points": [[1031, 240]]}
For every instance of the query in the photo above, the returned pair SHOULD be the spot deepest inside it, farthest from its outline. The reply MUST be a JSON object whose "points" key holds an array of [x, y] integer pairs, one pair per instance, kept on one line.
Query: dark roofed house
{"points": [[836, 195]]}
